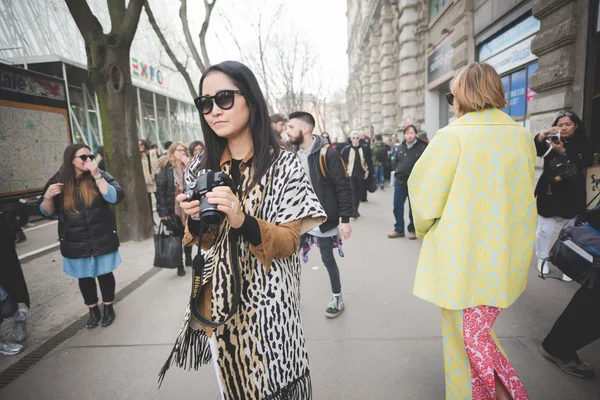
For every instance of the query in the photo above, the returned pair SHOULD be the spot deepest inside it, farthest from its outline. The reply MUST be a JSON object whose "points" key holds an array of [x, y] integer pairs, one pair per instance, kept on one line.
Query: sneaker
{"points": [[10, 349], [565, 278], [336, 306], [180, 271], [574, 367], [395, 235], [543, 267], [20, 325]]}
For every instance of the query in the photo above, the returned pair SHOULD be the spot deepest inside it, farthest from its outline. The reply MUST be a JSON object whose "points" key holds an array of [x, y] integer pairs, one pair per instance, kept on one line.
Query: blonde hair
{"points": [[476, 88], [169, 160]]}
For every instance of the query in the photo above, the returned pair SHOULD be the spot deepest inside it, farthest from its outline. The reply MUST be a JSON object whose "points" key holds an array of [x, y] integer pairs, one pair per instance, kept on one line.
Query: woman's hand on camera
{"points": [[191, 208], [559, 146], [227, 203]]}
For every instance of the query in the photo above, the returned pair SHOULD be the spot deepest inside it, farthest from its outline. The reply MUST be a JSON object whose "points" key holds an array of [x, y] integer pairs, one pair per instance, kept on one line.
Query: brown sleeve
{"points": [[208, 239], [278, 241]]}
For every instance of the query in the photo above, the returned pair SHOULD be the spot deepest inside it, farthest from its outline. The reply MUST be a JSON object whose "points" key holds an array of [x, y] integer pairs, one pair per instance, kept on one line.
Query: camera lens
{"points": [[209, 213]]}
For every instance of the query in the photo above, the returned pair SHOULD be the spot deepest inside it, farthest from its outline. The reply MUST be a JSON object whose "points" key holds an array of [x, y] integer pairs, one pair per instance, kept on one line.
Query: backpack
{"points": [[323, 161]]}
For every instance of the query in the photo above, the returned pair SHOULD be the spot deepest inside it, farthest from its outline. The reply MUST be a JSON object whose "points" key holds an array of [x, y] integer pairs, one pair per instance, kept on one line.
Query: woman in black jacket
{"points": [[169, 184], [80, 195], [564, 142]]}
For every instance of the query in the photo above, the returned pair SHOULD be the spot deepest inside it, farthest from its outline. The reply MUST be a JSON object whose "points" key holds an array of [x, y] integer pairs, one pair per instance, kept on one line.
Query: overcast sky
{"points": [[322, 23]]}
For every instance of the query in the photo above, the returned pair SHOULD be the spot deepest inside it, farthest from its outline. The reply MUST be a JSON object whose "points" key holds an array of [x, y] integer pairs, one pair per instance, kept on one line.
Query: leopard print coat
{"points": [[261, 350]]}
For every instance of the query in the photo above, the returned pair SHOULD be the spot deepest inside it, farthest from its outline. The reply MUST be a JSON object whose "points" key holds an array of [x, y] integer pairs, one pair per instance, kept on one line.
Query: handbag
{"points": [[168, 252], [577, 251], [563, 170], [371, 183]]}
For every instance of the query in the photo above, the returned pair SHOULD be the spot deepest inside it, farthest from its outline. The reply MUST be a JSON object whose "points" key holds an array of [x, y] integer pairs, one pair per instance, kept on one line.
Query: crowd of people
{"points": [[274, 190]]}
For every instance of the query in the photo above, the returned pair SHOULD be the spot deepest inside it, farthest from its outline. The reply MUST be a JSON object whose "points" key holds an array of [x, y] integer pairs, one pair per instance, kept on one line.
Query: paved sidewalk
{"points": [[386, 345]]}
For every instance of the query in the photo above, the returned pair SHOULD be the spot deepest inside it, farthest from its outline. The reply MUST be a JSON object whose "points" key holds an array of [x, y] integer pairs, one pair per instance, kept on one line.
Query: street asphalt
{"points": [[386, 344]]}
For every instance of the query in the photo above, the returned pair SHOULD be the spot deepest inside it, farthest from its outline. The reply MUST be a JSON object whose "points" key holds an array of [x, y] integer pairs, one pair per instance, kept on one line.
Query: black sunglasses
{"points": [[450, 98], [223, 100], [85, 157]]}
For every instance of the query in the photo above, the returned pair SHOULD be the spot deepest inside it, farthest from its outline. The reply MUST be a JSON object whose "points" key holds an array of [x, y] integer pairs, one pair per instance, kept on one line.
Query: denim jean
{"points": [[400, 197], [326, 247], [379, 174]]}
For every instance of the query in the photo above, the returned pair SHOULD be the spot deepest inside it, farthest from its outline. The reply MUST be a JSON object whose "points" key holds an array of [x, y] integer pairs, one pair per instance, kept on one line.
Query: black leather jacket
{"points": [[165, 192], [91, 231], [333, 190]]}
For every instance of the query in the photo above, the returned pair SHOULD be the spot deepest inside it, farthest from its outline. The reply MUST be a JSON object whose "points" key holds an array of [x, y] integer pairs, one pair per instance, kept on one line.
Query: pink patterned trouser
{"points": [[485, 356]]}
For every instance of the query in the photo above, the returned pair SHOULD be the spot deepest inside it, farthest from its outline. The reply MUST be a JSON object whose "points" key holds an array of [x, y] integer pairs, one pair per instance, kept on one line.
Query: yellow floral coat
{"points": [[472, 201]]}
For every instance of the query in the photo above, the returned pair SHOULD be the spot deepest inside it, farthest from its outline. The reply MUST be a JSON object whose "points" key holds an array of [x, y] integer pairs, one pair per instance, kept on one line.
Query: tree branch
{"points": [[188, 36], [172, 56], [86, 21], [208, 7], [116, 9], [130, 21]]}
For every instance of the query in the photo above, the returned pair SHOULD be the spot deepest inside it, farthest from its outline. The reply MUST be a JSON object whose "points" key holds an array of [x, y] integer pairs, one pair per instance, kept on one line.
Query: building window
{"points": [[518, 94], [435, 6]]}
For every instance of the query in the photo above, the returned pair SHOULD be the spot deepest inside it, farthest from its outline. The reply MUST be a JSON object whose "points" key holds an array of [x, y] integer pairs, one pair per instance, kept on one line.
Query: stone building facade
{"points": [[403, 55]]}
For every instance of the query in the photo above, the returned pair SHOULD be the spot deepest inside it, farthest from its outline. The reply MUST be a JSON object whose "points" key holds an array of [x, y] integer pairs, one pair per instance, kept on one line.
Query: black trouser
{"points": [[151, 211], [577, 326], [90, 293], [326, 247], [358, 188]]}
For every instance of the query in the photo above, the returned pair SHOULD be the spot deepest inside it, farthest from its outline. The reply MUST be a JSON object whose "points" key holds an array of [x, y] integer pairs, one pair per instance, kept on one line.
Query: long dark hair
{"points": [[266, 143], [84, 187], [193, 145], [579, 130]]}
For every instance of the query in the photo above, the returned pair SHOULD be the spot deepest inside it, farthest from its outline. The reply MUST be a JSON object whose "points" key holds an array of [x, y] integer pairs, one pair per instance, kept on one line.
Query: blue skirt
{"points": [[91, 267]]}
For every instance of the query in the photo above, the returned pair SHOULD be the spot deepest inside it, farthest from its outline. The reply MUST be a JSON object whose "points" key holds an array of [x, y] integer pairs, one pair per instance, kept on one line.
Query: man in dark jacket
{"points": [[327, 175], [407, 155]]}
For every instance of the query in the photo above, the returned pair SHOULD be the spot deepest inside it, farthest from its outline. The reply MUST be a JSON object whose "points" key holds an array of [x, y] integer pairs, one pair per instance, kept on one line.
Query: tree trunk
{"points": [[116, 99]]}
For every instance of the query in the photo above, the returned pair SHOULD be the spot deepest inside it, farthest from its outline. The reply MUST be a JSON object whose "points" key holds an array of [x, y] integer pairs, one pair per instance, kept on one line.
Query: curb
{"points": [[39, 252], [20, 367]]}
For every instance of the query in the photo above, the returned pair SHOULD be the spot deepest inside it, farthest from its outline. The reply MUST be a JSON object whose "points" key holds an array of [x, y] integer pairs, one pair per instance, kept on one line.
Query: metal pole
{"points": [[160, 146], [87, 117], [64, 71], [169, 120], [99, 119], [140, 113]]}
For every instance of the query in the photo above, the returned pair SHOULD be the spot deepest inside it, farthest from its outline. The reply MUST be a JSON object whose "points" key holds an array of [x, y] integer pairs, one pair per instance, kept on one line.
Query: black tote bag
{"points": [[168, 251]]}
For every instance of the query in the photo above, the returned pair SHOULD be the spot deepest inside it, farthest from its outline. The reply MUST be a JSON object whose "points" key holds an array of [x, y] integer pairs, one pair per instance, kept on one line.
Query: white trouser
{"points": [[215, 354], [545, 230]]}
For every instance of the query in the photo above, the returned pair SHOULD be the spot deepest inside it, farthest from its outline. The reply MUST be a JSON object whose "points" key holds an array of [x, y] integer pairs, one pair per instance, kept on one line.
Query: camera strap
{"points": [[198, 272]]}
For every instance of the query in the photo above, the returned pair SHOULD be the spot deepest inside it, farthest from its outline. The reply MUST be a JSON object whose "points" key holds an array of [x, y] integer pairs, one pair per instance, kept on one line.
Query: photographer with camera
{"points": [[248, 203], [560, 191]]}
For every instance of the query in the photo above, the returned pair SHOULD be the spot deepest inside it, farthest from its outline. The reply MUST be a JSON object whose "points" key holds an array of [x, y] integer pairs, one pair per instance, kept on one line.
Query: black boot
{"points": [[95, 317], [109, 315], [180, 271]]}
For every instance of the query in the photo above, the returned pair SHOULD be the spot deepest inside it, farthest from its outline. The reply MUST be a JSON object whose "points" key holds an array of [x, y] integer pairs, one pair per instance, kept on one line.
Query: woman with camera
{"points": [[244, 312], [170, 183], [80, 195], [560, 191]]}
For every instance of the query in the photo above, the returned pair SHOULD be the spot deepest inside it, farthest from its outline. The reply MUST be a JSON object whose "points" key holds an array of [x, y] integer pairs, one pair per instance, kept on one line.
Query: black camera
{"points": [[204, 183]]}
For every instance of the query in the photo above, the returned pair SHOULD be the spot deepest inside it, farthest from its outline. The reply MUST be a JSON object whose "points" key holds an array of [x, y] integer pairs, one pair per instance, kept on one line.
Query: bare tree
{"points": [[201, 61], [108, 70], [257, 54]]}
